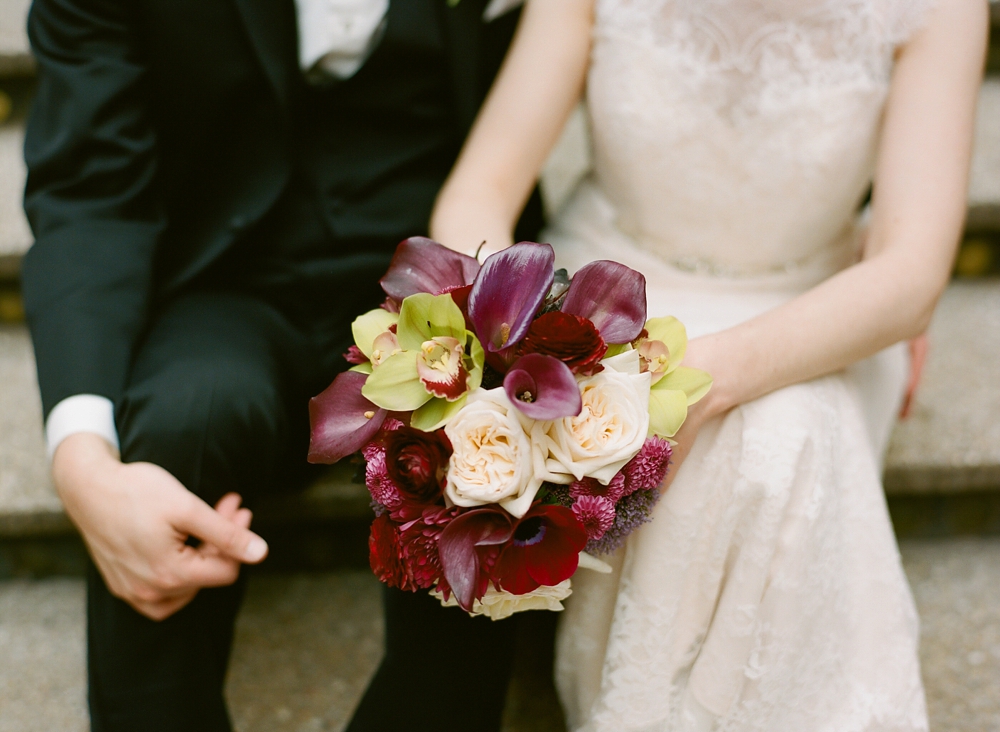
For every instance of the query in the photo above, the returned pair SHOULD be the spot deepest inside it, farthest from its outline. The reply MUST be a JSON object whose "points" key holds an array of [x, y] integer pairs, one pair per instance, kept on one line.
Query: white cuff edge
{"points": [[80, 413]]}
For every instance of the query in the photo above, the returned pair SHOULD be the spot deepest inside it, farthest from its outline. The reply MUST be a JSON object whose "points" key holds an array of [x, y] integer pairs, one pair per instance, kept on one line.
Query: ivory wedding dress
{"points": [[734, 141]]}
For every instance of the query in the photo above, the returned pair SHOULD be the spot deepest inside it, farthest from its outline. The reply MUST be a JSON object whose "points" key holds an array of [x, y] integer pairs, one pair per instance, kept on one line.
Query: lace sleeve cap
{"points": [[906, 17]]}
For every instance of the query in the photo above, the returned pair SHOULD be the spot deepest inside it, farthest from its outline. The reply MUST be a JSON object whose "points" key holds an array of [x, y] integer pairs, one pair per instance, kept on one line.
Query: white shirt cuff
{"points": [[80, 413]]}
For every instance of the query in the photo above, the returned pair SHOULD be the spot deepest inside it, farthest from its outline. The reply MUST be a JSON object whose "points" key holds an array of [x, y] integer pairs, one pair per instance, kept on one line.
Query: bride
{"points": [[734, 144]]}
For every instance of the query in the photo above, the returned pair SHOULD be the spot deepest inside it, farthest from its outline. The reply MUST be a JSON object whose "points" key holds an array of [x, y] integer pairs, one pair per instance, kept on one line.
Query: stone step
{"points": [[984, 177], [15, 236], [306, 646], [15, 54], [951, 441], [948, 450]]}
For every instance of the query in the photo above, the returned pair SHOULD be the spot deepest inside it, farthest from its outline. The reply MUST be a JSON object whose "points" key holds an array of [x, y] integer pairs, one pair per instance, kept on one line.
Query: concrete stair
{"points": [[15, 54], [306, 645]]}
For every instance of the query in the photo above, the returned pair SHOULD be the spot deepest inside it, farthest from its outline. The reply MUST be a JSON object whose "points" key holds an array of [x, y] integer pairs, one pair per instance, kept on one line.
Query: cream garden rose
{"points": [[608, 432], [491, 459]]}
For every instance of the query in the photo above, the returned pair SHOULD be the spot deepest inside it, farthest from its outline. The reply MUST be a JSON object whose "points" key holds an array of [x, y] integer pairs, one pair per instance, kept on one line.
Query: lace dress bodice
{"points": [[738, 137]]}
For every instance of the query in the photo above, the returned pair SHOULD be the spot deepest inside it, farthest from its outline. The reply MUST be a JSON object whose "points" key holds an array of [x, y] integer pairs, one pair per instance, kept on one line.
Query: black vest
{"points": [[369, 156]]}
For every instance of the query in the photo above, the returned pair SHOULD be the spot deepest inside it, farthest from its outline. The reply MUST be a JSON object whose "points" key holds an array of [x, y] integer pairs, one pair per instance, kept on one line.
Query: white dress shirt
{"points": [[336, 37]]}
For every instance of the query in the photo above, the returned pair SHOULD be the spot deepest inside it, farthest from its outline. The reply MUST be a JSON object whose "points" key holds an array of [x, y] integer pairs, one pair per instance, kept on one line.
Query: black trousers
{"points": [[218, 396]]}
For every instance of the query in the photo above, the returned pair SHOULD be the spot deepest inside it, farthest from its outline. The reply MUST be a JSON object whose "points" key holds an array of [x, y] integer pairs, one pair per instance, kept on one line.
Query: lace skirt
{"points": [[767, 593]]}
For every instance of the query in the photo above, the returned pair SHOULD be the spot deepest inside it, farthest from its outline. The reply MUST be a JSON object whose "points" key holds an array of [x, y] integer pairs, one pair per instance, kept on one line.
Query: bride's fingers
{"points": [[683, 442], [682, 446], [918, 357]]}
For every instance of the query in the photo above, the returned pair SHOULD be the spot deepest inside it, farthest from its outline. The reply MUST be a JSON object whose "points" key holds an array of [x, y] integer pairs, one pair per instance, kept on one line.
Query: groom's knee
{"points": [[214, 412], [212, 431]]}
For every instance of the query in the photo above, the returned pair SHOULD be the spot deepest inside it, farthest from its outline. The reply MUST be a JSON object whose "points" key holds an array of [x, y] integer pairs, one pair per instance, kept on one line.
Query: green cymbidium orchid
{"points": [[371, 334], [436, 363], [424, 316], [675, 387], [366, 328]]}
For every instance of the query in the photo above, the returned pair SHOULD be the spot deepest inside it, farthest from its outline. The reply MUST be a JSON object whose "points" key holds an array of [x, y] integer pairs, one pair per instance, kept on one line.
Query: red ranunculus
{"points": [[460, 295], [385, 554], [419, 542], [572, 339], [543, 550], [417, 461]]}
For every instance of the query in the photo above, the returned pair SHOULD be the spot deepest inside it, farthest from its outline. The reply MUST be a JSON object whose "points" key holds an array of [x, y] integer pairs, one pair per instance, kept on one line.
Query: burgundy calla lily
{"points": [[342, 421], [543, 387], [423, 265], [544, 549], [464, 544], [507, 293], [610, 295]]}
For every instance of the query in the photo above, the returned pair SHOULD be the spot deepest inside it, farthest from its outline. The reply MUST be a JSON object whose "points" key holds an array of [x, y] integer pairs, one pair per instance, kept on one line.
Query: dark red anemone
{"points": [[544, 549]]}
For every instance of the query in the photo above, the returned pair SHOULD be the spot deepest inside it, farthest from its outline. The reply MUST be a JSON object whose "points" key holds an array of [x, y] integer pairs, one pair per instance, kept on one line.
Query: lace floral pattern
{"points": [[732, 140], [702, 110]]}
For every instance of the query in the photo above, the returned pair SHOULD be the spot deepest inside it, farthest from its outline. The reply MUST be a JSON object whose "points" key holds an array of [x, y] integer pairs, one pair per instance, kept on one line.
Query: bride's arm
{"points": [[918, 208], [540, 82]]}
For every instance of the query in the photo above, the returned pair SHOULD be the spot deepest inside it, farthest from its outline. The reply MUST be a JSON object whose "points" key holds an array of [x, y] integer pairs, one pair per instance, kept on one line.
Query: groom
{"points": [[215, 187]]}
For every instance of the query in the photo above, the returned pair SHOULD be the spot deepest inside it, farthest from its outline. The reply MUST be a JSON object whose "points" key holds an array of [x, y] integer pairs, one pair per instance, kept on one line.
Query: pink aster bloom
{"points": [[649, 467], [613, 491], [380, 485], [596, 513]]}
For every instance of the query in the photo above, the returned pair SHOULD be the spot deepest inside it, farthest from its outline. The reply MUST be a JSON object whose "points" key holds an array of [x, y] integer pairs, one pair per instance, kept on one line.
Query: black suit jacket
{"points": [[160, 131]]}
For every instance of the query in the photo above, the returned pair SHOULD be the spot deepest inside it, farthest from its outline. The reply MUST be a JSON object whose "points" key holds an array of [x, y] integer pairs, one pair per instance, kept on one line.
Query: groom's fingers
{"points": [[231, 539], [205, 567], [228, 505], [163, 609]]}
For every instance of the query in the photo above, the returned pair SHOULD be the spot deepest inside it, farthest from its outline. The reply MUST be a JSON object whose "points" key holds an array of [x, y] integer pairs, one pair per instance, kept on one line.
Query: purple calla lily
{"points": [[610, 295], [342, 421], [423, 265], [543, 387], [459, 548], [507, 293]]}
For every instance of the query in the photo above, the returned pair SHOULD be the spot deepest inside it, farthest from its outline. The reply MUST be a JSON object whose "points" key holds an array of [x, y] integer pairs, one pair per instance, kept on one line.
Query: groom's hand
{"points": [[136, 519]]}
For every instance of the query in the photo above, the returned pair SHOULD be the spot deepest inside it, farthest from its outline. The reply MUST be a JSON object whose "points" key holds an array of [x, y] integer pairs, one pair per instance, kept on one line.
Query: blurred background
{"points": [[310, 633]]}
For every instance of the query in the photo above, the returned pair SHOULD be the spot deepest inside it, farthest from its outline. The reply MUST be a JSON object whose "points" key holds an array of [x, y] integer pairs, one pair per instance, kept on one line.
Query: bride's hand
{"points": [[705, 353]]}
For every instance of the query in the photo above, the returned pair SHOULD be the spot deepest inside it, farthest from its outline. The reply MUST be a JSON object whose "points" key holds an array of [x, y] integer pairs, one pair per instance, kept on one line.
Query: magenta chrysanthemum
{"points": [[649, 467], [377, 445], [380, 485], [593, 487], [596, 513]]}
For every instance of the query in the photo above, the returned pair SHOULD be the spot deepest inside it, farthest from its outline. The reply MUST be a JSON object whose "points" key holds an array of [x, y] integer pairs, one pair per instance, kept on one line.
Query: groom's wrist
{"points": [[82, 462]]}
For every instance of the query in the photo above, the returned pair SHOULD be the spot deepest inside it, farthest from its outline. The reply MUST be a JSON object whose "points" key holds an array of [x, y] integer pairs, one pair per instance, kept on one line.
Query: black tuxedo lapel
{"points": [[273, 31], [464, 28]]}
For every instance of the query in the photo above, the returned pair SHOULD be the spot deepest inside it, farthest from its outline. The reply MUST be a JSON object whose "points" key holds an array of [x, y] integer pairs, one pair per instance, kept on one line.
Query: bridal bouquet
{"points": [[513, 421]]}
